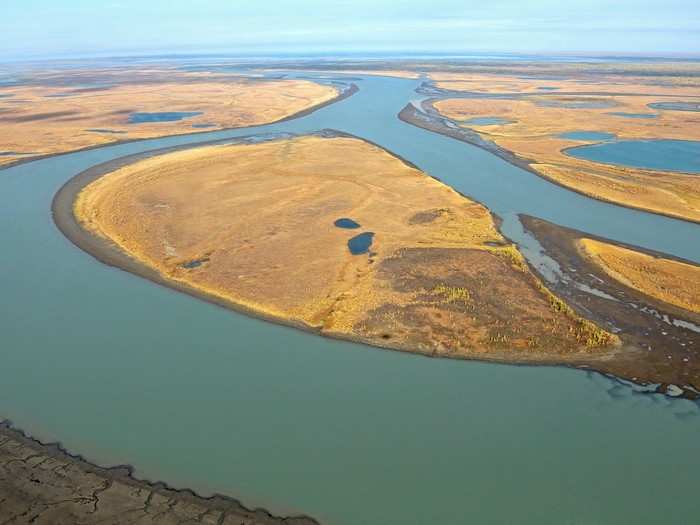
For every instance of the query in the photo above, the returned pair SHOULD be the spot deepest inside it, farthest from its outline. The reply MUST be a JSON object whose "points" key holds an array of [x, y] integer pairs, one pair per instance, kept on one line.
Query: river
{"points": [[124, 371]]}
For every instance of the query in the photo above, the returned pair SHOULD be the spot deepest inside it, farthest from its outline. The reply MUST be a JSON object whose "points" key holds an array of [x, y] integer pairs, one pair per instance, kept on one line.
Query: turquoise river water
{"points": [[124, 371]]}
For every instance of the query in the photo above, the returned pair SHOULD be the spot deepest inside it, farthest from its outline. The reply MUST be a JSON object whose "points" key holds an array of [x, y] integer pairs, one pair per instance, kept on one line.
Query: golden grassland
{"points": [[49, 118], [533, 133], [576, 81], [254, 225], [673, 282]]}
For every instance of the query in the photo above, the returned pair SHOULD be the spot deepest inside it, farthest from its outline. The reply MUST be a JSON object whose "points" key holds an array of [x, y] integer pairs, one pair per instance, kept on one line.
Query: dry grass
{"points": [[40, 120], [534, 129], [257, 221], [670, 281]]}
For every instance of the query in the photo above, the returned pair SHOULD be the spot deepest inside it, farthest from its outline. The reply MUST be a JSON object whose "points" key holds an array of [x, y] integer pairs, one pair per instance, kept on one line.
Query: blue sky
{"points": [[94, 27]]}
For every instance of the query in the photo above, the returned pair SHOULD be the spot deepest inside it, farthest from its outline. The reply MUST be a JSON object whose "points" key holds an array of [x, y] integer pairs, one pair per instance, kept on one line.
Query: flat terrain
{"points": [[536, 111], [44, 485], [54, 114], [674, 282], [650, 300], [252, 226]]}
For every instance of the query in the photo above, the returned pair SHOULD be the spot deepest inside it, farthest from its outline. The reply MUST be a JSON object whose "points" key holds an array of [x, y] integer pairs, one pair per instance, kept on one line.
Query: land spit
{"points": [[648, 298], [531, 131]]}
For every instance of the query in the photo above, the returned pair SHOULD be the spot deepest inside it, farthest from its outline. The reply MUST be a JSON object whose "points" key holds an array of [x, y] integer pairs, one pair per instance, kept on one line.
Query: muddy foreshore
{"points": [[44, 483], [431, 120], [669, 346]]}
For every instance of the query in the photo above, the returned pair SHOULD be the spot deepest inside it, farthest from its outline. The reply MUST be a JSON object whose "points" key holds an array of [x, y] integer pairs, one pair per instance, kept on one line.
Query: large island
{"points": [[334, 235]]}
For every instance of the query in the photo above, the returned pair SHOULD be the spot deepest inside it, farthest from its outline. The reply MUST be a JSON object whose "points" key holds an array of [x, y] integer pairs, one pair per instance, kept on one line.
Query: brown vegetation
{"points": [[674, 282], [253, 225], [49, 117], [648, 299], [536, 121]]}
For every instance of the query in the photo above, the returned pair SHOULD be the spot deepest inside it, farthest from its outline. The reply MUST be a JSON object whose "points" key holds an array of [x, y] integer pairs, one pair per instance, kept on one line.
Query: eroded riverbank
{"points": [[43, 483]]}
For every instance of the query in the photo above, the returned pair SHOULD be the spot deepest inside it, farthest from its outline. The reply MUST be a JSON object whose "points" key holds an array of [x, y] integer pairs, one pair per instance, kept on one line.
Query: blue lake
{"points": [[587, 135], [667, 155], [163, 116], [633, 115], [100, 130], [487, 121], [676, 106], [576, 103]]}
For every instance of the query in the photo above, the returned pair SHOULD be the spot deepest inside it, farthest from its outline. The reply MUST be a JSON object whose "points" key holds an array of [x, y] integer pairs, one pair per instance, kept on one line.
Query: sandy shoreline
{"points": [[31, 488]]}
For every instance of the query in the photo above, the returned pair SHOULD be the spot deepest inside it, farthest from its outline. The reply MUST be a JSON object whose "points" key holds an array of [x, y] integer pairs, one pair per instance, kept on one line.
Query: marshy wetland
{"points": [[59, 111], [659, 137], [220, 402]]}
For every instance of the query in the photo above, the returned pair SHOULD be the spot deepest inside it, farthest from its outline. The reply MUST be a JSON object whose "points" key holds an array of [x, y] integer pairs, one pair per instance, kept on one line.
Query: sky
{"points": [[48, 28]]}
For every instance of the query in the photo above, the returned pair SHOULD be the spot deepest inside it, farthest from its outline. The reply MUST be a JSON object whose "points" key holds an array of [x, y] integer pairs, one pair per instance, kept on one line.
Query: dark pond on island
{"points": [[125, 371], [487, 121], [676, 106], [575, 103], [361, 243], [587, 135], [110, 131], [162, 116], [346, 223], [633, 115], [667, 155]]}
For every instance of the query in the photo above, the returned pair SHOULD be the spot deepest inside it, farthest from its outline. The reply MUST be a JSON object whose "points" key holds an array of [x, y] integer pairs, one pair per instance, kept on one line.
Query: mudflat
{"points": [[253, 227], [649, 298]]}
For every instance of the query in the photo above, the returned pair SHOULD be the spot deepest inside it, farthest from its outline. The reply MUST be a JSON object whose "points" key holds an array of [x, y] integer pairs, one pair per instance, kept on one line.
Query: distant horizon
{"points": [[359, 55], [45, 29]]}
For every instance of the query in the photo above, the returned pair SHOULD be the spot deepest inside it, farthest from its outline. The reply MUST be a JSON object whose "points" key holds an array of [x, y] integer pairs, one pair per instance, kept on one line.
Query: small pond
{"points": [[361, 243], [676, 106], [576, 103], [587, 135], [487, 121], [101, 130], [633, 115], [163, 116], [346, 223]]}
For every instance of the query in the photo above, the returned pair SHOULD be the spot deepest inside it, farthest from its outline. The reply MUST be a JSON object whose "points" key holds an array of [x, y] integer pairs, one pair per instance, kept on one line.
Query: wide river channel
{"points": [[125, 371]]}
